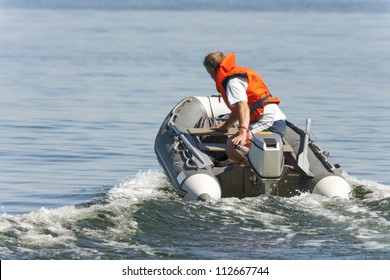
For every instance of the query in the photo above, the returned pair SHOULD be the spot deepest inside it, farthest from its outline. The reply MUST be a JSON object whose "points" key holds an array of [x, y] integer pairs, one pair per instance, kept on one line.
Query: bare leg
{"points": [[235, 154]]}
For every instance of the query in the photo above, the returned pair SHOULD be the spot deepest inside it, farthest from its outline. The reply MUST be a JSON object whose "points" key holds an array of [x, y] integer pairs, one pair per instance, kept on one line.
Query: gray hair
{"points": [[212, 60]]}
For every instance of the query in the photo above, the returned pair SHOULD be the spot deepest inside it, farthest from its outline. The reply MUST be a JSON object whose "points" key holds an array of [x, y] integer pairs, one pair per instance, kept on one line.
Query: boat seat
{"points": [[212, 147], [211, 132], [287, 148], [217, 146], [221, 147]]}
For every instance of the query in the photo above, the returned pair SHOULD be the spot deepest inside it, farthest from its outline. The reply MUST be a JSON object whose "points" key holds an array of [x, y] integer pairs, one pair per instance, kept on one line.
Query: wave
{"points": [[142, 217], [78, 229]]}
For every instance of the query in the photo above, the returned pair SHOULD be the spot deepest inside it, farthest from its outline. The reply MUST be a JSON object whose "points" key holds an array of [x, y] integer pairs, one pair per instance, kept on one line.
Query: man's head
{"points": [[211, 62]]}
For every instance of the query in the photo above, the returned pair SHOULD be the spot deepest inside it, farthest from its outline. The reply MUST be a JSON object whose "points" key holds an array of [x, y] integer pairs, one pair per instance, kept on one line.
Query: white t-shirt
{"points": [[236, 92]]}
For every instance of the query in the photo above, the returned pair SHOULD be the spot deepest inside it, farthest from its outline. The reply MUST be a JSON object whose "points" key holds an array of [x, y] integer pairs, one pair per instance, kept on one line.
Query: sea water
{"points": [[85, 85]]}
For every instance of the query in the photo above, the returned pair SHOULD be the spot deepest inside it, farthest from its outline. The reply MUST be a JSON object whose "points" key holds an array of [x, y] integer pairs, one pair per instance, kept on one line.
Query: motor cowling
{"points": [[265, 155]]}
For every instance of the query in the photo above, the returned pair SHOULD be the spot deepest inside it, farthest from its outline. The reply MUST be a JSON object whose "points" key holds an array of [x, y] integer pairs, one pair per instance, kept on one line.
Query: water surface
{"points": [[85, 89]]}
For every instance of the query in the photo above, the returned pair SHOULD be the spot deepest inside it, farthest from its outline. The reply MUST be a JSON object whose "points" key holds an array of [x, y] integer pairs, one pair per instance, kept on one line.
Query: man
{"points": [[249, 100]]}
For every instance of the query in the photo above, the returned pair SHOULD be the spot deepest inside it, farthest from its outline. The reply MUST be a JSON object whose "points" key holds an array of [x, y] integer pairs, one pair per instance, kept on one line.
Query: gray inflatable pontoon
{"points": [[193, 157]]}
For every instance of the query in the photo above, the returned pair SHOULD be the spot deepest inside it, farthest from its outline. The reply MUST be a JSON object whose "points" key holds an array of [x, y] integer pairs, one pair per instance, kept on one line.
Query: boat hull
{"points": [[198, 173]]}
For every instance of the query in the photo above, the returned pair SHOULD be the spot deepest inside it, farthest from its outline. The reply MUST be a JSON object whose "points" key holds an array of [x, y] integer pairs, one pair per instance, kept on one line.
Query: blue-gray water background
{"points": [[85, 85]]}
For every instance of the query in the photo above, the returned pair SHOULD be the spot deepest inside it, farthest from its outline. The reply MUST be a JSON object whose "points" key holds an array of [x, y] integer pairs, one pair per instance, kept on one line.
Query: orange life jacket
{"points": [[257, 92]]}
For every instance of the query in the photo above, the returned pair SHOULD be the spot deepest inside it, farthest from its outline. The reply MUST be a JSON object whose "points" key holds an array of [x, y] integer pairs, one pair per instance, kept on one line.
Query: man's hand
{"points": [[240, 139], [220, 127]]}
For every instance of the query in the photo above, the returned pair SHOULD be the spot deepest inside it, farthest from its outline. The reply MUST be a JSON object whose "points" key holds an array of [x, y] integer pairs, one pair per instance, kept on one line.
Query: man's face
{"points": [[211, 72]]}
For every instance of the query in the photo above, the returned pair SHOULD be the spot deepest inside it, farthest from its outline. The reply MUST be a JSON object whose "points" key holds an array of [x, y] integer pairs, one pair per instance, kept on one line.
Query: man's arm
{"points": [[243, 120], [228, 123]]}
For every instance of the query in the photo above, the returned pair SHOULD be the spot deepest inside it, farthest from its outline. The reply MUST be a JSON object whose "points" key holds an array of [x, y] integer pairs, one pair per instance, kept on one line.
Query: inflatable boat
{"points": [[194, 158]]}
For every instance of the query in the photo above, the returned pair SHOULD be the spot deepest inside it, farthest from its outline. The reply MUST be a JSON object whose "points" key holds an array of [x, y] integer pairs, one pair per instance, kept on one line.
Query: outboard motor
{"points": [[266, 155]]}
